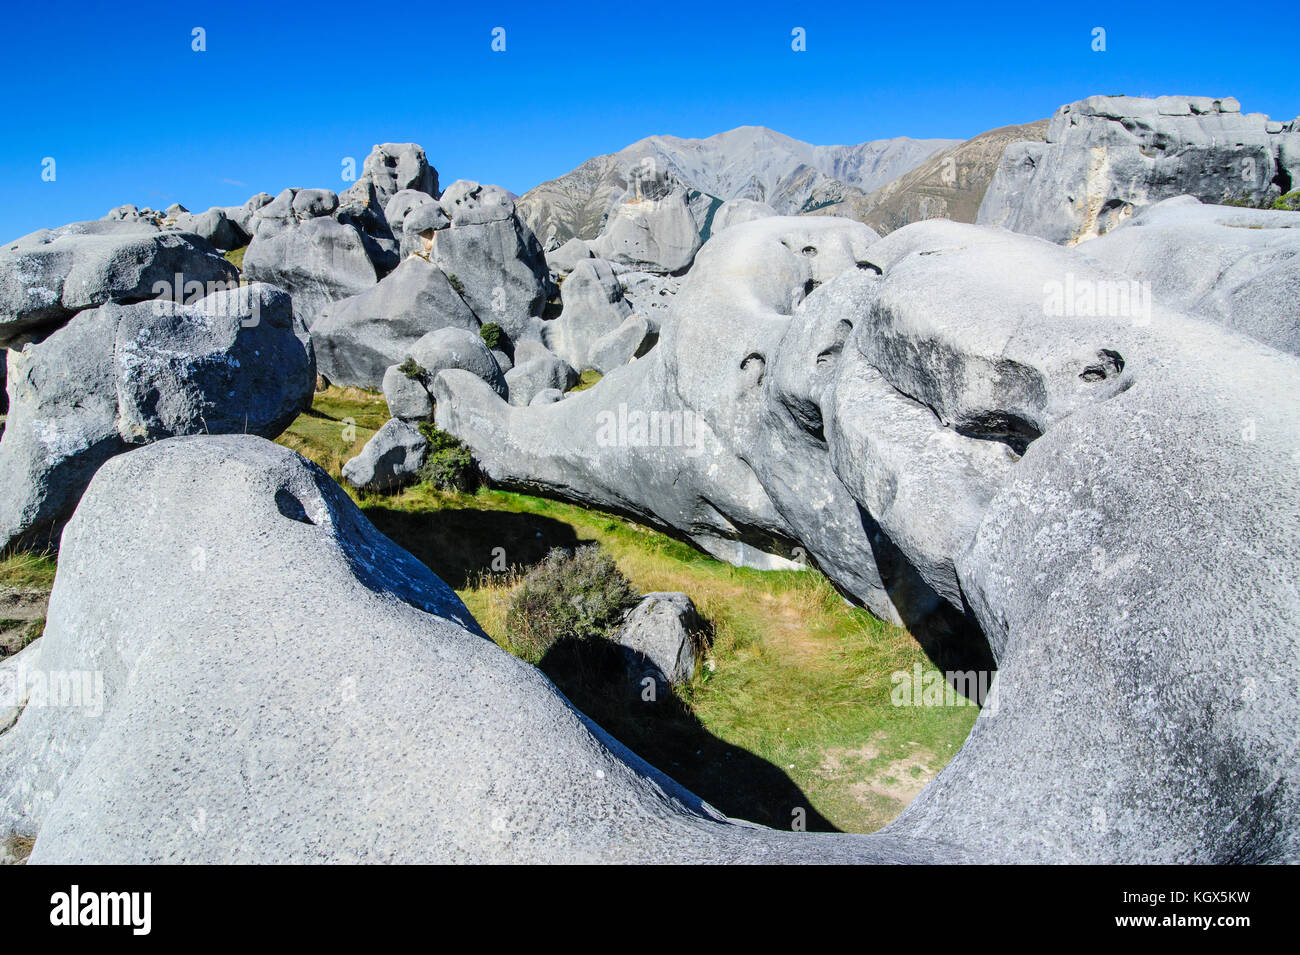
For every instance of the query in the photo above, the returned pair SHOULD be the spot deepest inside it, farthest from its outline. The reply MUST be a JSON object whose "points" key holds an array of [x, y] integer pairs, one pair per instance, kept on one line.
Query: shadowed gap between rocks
{"points": [[457, 546]]}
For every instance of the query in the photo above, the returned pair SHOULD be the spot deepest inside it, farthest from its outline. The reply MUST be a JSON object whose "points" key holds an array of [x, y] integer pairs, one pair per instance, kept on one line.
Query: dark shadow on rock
{"points": [[952, 640], [664, 732], [458, 545]]}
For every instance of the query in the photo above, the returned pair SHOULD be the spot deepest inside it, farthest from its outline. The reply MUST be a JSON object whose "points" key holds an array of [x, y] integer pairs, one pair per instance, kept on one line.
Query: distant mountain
{"points": [[948, 185], [750, 162]]}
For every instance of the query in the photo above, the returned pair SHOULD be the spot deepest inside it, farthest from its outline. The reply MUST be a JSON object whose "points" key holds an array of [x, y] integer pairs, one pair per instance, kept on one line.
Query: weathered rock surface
{"points": [[651, 230], [527, 379], [666, 438], [592, 306], [310, 761], [1091, 488], [661, 634], [457, 348], [564, 259], [395, 167], [1238, 267], [494, 259], [50, 275], [735, 211], [1107, 156], [406, 394], [318, 260], [120, 376], [357, 338], [390, 460]]}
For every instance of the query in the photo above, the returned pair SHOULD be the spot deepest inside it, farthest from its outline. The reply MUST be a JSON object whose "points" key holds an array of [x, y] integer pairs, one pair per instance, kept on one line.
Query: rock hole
{"points": [[870, 267], [1109, 364], [808, 250], [291, 507]]}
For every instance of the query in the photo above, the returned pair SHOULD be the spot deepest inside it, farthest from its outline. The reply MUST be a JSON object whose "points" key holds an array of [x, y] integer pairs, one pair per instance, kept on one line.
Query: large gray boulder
{"points": [[456, 348], [314, 257], [357, 338], [651, 230], [120, 376], [631, 339], [214, 227], [492, 258], [592, 306], [735, 211], [1238, 267], [528, 379], [390, 460], [1122, 727], [1064, 491], [199, 578], [674, 438], [661, 635], [1107, 156], [564, 259], [406, 393], [50, 275], [396, 167]]}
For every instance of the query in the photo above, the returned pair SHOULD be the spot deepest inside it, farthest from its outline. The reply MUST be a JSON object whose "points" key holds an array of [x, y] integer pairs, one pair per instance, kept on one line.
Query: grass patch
{"points": [[790, 709], [236, 257], [587, 380], [334, 431], [26, 571]]}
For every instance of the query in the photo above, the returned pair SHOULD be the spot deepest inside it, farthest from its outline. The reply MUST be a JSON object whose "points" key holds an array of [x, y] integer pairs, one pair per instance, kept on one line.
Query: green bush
{"points": [[1288, 203], [449, 465], [411, 369], [456, 284], [491, 335], [568, 596]]}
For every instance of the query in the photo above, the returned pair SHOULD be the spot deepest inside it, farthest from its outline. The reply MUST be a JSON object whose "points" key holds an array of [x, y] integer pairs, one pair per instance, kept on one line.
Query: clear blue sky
{"points": [[114, 93]]}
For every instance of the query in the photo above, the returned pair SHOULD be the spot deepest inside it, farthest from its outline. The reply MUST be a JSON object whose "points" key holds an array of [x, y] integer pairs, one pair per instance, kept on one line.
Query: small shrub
{"points": [[568, 596], [1288, 203], [456, 284], [449, 466], [411, 369], [491, 335]]}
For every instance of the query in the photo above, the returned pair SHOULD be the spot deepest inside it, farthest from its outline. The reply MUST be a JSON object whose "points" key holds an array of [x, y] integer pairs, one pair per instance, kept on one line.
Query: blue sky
{"points": [[130, 113]]}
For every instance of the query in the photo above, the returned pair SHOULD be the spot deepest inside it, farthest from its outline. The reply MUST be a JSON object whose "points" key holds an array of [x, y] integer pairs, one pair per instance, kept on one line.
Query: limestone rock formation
{"points": [[1108, 156], [50, 275], [1239, 267], [660, 633], [120, 376], [390, 460], [357, 338]]}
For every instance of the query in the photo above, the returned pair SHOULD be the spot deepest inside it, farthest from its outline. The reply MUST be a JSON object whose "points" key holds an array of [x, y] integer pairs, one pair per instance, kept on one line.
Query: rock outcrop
{"points": [[120, 376], [357, 338], [50, 275], [390, 460], [661, 636], [1238, 267], [236, 554], [1107, 156]]}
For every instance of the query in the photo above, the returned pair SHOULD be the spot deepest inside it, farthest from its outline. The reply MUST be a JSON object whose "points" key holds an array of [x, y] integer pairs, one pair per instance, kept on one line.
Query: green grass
{"points": [[236, 257], [587, 380], [23, 571], [790, 708]]}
